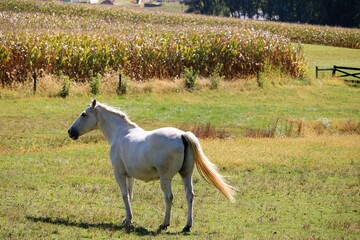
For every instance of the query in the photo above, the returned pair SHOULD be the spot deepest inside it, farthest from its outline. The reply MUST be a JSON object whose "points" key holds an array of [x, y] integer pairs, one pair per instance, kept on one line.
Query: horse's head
{"points": [[85, 123]]}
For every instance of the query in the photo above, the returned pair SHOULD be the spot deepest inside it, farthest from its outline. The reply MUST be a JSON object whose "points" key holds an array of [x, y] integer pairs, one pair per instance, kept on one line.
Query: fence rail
{"points": [[344, 70]]}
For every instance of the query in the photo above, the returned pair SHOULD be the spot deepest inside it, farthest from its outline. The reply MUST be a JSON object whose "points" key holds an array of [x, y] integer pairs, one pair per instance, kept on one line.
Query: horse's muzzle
{"points": [[73, 134]]}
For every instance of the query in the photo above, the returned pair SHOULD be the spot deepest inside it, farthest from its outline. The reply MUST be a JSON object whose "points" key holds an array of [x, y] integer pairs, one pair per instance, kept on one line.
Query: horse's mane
{"points": [[116, 112]]}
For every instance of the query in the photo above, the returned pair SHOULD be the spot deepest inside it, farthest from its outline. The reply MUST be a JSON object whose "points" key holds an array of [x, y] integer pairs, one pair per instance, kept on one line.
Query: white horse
{"points": [[149, 155]]}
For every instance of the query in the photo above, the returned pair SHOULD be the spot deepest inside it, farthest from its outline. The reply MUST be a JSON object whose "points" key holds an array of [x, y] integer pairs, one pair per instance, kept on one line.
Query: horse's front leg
{"points": [[168, 197], [122, 182], [130, 185]]}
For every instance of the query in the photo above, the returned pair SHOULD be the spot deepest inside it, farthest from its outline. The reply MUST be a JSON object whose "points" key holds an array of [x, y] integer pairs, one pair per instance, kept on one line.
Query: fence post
{"points": [[334, 71], [35, 81], [317, 69], [118, 90]]}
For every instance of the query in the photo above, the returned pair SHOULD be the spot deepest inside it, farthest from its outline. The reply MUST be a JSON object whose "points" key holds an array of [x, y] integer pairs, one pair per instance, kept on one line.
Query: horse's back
{"points": [[169, 133]]}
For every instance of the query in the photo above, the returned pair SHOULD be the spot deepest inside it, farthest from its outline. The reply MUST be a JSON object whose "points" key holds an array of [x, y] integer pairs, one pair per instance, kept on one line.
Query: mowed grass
{"points": [[305, 187], [288, 188], [327, 57]]}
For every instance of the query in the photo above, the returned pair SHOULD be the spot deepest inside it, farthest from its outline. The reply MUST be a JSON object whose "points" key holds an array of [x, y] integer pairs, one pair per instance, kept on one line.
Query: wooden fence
{"points": [[345, 71]]}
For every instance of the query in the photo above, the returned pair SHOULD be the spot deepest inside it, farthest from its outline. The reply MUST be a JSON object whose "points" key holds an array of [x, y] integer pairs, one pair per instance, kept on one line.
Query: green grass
{"points": [[302, 188], [234, 109], [306, 187], [324, 56], [327, 57]]}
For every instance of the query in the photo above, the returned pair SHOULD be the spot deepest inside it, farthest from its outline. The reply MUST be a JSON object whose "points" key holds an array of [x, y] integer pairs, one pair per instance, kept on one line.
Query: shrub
{"points": [[95, 84], [216, 76], [190, 78], [65, 90]]}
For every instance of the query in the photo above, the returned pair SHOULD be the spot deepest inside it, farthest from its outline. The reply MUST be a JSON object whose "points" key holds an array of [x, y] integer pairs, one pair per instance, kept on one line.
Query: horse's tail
{"points": [[207, 169]]}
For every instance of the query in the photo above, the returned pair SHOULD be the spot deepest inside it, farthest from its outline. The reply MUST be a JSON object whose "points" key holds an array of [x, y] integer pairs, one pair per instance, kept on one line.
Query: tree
{"points": [[344, 13], [207, 7], [340, 12]]}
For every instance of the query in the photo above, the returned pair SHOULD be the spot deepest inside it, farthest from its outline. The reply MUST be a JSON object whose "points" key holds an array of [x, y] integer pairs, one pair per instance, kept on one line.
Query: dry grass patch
{"points": [[307, 152], [206, 131], [284, 127]]}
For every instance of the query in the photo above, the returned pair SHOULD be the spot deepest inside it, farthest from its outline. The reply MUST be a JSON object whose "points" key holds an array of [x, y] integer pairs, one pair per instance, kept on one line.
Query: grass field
{"points": [[289, 188], [326, 57], [303, 187]]}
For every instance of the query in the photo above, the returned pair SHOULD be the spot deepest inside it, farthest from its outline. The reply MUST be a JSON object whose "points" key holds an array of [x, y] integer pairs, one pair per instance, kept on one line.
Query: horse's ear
{"points": [[93, 103]]}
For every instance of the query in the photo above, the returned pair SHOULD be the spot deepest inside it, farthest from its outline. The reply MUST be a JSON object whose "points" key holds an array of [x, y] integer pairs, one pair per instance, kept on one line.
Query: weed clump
{"points": [[65, 90], [190, 79], [216, 76], [281, 127], [349, 127], [206, 131], [122, 87], [95, 84]]}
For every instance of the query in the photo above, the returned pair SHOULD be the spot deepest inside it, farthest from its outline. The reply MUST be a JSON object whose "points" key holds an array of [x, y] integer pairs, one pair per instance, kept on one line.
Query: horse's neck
{"points": [[110, 124]]}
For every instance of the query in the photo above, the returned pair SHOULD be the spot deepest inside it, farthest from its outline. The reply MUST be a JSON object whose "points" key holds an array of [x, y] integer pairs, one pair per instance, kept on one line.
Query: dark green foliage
{"points": [[190, 78], [325, 12], [95, 84], [216, 76], [65, 90], [208, 7]]}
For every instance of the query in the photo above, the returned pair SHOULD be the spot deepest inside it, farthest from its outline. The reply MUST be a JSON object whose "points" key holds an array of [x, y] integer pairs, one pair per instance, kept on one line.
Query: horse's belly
{"points": [[144, 174]]}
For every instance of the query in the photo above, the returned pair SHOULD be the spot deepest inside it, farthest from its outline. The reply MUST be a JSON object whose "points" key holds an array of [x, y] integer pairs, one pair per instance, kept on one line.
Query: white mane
{"points": [[116, 112]]}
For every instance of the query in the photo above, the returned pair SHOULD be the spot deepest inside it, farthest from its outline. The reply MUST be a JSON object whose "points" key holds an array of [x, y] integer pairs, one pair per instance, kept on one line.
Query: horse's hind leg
{"points": [[186, 175], [168, 197], [188, 185]]}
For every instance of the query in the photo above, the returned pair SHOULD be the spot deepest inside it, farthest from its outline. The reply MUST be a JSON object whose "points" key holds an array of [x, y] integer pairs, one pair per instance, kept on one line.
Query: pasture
{"points": [[303, 186], [298, 187]]}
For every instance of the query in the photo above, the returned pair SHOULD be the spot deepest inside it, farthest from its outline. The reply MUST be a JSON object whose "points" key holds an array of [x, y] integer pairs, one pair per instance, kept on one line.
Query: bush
{"points": [[190, 78], [216, 76], [65, 90], [95, 84]]}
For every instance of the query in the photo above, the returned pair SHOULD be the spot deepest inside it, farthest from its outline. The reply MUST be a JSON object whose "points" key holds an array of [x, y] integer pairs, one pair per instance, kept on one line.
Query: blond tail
{"points": [[207, 169]]}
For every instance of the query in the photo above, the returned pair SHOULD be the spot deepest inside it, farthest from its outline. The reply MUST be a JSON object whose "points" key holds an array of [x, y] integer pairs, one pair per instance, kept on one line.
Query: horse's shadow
{"points": [[138, 230]]}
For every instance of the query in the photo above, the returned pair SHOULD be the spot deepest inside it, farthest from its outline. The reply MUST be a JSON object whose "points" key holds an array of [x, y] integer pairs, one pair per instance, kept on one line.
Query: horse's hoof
{"points": [[162, 227], [186, 229], [126, 223]]}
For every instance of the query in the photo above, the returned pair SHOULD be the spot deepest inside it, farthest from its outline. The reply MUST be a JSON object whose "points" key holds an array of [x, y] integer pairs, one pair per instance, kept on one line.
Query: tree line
{"points": [[345, 13]]}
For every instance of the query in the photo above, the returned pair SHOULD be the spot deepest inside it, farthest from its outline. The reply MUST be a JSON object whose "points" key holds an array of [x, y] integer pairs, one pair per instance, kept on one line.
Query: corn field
{"points": [[81, 41]]}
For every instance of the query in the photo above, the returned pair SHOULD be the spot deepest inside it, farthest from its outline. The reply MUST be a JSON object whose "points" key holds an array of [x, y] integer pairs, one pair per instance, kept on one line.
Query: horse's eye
{"points": [[83, 114]]}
